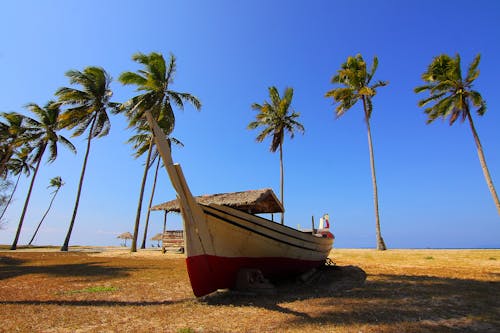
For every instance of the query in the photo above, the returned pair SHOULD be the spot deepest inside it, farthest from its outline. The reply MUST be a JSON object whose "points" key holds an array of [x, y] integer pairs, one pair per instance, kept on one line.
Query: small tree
{"points": [[56, 183]]}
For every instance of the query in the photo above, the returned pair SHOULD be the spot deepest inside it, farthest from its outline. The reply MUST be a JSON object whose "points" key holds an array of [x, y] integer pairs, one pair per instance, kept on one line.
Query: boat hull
{"points": [[245, 241]]}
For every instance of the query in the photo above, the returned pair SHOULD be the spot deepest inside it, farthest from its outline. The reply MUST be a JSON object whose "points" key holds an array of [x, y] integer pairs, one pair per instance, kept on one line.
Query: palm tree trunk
{"points": [[141, 195], [482, 160], [380, 241], [43, 217], [143, 246], [165, 222], [65, 245], [11, 196], [282, 172], [21, 220]]}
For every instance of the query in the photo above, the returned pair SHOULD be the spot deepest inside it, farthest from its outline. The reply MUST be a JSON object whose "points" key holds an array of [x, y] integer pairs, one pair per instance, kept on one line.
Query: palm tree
{"points": [[42, 135], [156, 97], [141, 142], [356, 86], [57, 183], [12, 132], [170, 140], [17, 166], [87, 110], [453, 97], [276, 119]]}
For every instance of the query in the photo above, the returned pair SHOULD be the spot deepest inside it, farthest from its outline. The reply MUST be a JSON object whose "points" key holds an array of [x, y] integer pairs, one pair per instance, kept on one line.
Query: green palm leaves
{"points": [[88, 106], [276, 118], [355, 85], [452, 96], [154, 80]]}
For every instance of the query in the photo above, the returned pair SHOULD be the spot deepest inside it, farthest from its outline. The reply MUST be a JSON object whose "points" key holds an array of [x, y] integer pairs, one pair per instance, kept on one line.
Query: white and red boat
{"points": [[221, 241]]}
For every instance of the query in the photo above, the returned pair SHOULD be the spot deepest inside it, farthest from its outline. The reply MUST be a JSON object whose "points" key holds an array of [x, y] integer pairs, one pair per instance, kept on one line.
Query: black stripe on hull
{"points": [[258, 232]]}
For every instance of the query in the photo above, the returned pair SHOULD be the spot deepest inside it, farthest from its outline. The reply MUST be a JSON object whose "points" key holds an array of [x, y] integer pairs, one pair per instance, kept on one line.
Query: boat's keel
{"points": [[252, 281], [210, 273]]}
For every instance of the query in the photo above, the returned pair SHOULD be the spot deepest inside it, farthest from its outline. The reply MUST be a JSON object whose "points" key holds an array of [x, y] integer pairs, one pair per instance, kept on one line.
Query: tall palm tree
{"points": [[56, 183], [153, 81], [276, 118], [42, 135], [355, 85], [87, 110], [453, 96], [17, 166]]}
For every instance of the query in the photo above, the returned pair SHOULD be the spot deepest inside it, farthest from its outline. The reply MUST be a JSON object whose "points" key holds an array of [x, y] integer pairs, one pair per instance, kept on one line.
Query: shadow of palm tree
{"points": [[14, 267], [425, 303], [10, 261], [96, 302]]}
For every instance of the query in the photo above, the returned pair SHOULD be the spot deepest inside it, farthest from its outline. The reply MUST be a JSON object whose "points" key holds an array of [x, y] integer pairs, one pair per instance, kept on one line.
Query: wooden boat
{"points": [[221, 242]]}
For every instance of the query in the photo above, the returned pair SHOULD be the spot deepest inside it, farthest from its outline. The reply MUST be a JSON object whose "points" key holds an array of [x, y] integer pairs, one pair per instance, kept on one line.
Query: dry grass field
{"points": [[370, 291]]}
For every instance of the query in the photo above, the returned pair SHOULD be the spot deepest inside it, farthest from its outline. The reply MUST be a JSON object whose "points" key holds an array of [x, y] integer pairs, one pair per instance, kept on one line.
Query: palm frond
{"points": [[431, 98], [127, 78], [67, 143], [473, 72]]}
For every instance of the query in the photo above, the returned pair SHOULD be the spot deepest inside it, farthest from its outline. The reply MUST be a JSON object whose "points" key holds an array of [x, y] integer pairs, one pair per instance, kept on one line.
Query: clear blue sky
{"points": [[431, 188]]}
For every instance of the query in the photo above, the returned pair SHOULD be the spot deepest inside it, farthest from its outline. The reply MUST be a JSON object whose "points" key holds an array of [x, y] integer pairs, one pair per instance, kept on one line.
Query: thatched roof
{"points": [[253, 202], [157, 237], [125, 235]]}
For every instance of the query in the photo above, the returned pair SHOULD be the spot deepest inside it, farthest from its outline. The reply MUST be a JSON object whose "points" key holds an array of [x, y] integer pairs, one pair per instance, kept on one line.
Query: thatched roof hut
{"points": [[253, 202], [125, 235], [157, 237]]}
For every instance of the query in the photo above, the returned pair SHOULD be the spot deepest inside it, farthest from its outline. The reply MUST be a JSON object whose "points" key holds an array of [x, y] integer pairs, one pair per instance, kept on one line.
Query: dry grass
{"points": [[404, 291]]}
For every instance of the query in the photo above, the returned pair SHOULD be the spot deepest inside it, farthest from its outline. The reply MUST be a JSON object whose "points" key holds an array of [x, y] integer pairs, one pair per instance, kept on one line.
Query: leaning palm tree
{"points": [[453, 96], [56, 183], [356, 86], [276, 118], [18, 165], [42, 135], [156, 97], [87, 110], [158, 160], [141, 142]]}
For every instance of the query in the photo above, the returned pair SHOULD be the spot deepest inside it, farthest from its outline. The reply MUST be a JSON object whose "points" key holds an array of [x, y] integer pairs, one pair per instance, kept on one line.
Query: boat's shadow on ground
{"points": [[326, 282]]}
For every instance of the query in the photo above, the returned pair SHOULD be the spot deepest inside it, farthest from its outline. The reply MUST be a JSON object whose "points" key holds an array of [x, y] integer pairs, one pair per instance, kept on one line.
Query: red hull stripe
{"points": [[208, 273]]}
